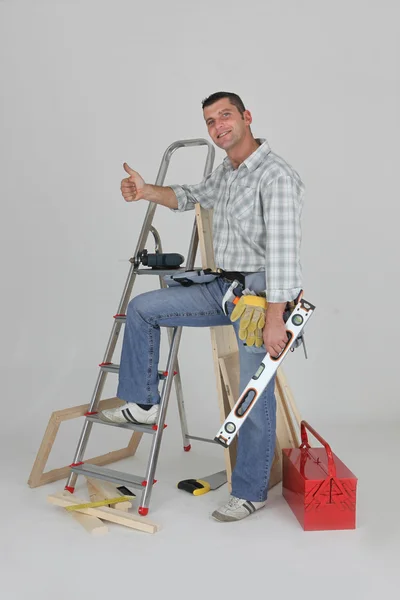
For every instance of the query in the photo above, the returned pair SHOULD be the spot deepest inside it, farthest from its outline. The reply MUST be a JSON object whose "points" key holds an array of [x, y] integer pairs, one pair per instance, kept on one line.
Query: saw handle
{"points": [[197, 487], [305, 444]]}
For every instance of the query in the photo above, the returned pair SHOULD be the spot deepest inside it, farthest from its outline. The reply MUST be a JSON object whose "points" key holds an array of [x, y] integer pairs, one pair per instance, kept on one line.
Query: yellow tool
{"points": [[99, 503], [197, 487]]}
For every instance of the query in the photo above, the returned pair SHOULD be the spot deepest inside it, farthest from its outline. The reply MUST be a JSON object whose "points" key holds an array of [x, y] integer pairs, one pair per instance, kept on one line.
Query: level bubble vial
{"points": [[297, 319], [230, 427]]}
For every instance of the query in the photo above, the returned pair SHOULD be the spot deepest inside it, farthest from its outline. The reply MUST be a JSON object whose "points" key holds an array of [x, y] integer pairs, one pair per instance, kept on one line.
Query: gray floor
{"points": [[44, 552]]}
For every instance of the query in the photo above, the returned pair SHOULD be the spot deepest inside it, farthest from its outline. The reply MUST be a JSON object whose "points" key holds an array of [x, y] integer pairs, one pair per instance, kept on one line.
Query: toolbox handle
{"points": [[305, 444]]}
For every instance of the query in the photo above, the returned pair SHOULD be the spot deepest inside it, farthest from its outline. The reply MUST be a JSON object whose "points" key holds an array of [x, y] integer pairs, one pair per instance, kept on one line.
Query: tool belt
{"points": [[254, 281], [233, 276], [187, 278]]}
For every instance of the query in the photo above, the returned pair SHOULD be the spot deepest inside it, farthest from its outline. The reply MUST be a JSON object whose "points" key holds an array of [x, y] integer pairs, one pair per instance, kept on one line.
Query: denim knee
{"points": [[138, 306]]}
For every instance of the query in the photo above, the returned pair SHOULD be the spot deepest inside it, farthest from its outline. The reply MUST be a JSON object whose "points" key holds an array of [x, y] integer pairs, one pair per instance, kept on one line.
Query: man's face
{"points": [[226, 126]]}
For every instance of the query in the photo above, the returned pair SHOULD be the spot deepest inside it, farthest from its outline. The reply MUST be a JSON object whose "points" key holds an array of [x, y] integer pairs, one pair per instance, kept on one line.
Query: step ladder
{"points": [[172, 373]]}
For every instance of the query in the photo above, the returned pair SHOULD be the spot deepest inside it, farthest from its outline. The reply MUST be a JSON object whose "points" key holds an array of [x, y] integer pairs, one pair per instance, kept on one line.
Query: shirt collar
{"points": [[255, 159]]}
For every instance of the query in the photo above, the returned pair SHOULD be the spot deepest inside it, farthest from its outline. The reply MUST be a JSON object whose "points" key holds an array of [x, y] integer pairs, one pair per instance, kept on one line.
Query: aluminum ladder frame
{"points": [[145, 483]]}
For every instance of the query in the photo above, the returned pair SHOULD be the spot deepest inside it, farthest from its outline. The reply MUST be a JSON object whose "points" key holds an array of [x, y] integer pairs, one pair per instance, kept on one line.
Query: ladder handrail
{"points": [[185, 144], [163, 169], [152, 208]]}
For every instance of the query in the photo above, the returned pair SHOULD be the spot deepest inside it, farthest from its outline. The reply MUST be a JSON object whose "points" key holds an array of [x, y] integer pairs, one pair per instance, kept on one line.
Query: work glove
{"points": [[251, 312]]}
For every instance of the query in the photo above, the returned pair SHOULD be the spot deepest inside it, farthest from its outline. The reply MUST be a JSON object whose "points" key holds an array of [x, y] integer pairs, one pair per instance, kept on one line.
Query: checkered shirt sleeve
{"points": [[282, 212]]}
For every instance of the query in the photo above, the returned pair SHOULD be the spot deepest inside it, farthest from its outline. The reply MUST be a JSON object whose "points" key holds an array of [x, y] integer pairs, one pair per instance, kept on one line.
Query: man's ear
{"points": [[248, 119]]}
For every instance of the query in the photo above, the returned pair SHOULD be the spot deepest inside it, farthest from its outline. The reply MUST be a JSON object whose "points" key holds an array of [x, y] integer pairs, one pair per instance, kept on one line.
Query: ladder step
{"points": [[114, 368], [132, 426], [109, 367], [119, 477], [120, 318]]}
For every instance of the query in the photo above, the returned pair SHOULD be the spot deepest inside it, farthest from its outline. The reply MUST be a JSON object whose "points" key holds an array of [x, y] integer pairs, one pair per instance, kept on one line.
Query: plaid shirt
{"points": [[256, 218]]}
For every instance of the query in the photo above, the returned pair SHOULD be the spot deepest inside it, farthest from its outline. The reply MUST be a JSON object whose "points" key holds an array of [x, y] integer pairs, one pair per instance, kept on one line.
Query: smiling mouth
{"points": [[223, 134]]}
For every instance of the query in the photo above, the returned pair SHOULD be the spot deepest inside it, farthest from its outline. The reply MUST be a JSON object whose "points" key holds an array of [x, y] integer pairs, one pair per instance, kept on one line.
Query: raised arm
{"points": [[134, 188], [176, 197]]}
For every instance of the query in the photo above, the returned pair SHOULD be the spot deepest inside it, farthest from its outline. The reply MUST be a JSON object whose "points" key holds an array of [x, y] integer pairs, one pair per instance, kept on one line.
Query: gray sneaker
{"points": [[130, 413], [236, 509]]}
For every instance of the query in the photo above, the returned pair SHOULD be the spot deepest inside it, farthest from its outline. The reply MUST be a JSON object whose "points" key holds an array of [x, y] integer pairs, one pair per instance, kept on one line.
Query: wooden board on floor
{"points": [[101, 490], [105, 513], [93, 525]]}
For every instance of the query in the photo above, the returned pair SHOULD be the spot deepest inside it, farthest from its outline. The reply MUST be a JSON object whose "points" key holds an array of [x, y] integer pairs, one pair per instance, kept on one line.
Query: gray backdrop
{"points": [[86, 87]]}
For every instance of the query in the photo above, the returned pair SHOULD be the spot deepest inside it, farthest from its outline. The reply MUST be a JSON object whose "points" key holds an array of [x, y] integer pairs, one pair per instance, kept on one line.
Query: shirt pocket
{"points": [[242, 201]]}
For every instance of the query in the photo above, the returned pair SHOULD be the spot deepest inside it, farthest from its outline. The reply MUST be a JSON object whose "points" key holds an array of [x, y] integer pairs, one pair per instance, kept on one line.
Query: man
{"points": [[257, 200]]}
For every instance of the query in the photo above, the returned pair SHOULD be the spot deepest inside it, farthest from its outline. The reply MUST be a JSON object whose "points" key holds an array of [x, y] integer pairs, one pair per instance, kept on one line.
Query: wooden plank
{"points": [[103, 459], [101, 490], [224, 400], [276, 469], [229, 366], [204, 220], [44, 452], [56, 418], [104, 512], [230, 370], [283, 433], [78, 411], [133, 443], [287, 416], [287, 392], [93, 525], [38, 477], [223, 339]]}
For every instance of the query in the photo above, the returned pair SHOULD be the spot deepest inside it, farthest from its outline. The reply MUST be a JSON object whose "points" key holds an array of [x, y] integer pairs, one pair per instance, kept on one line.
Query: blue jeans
{"points": [[199, 306]]}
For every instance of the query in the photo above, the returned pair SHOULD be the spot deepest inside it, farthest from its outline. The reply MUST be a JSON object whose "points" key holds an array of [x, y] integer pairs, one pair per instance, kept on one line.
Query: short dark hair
{"points": [[233, 99]]}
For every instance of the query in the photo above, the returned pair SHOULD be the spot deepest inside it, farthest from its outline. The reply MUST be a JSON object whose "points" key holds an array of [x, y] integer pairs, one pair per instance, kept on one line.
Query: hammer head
{"points": [[230, 296]]}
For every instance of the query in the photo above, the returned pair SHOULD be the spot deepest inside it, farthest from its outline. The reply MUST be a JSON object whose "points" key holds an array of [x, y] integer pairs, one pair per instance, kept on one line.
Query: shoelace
{"points": [[234, 502]]}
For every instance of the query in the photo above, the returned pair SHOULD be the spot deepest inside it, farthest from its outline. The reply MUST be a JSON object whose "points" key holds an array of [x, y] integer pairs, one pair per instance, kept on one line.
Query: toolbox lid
{"points": [[312, 463]]}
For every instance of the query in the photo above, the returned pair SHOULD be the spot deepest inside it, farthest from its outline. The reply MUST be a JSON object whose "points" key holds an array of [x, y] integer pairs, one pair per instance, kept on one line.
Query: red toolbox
{"points": [[319, 488]]}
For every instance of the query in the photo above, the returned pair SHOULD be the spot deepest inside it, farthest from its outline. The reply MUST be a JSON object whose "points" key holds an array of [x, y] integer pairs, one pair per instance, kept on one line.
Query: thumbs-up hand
{"points": [[132, 187]]}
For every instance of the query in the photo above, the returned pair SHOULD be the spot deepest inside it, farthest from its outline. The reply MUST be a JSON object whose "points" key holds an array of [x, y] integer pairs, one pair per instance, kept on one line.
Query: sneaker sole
{"points": [[224, 518]]}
